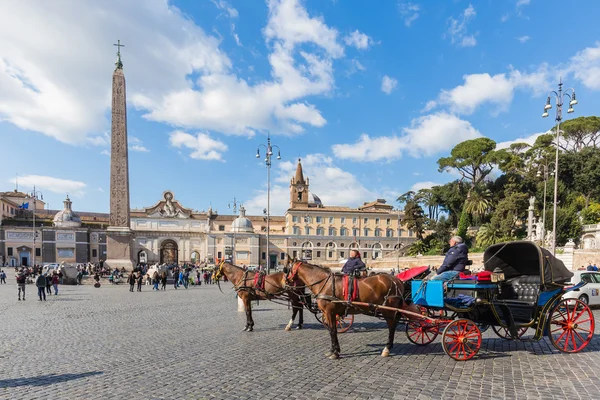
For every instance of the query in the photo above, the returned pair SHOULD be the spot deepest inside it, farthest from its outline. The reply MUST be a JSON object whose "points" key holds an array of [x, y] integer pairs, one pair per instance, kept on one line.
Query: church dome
{"points": [[314, 200], [67, 218], [241, 223]]}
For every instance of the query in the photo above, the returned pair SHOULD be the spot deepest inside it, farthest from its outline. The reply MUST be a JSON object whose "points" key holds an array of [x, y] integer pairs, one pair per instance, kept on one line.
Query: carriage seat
{"points": [[523, 289]]}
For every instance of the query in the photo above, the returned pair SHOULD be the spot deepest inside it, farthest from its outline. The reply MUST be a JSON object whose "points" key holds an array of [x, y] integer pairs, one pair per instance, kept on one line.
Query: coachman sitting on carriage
{"points": [[354, 268]]}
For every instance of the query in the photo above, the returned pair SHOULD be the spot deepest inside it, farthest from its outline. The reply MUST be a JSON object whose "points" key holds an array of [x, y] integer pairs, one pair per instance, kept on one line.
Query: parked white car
{"points": [[590, 293]]}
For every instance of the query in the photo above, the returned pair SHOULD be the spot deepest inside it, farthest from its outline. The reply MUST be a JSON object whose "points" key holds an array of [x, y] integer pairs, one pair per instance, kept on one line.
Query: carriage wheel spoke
{"points": [[578, 335]]}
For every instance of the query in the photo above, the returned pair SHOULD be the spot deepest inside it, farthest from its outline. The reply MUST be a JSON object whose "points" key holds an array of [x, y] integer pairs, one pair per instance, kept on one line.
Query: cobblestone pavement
{"points": [[108, 343]]}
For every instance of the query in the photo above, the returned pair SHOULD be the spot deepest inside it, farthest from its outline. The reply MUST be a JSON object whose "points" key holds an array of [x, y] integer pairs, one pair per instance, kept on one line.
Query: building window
{"points": [[343, 220], [389, 233], [342, 254], [219, 255], [294, 218], [319, 220], [318, 254], [366, 232], [263, 256], [318, 244], [343, 232], [388, 221], [365, 255], [331, 219], [320, 231], [282, 255], [400, 232], [295, 254], [295, 230], [378, 232], [94, 253], [9, 251], [366, 220], [355, 232], [331, 231], [307, 230], [307, 219], [38, 252], [331, 254], [354, 220], [221, 228], [376, 221], [410, 232]]}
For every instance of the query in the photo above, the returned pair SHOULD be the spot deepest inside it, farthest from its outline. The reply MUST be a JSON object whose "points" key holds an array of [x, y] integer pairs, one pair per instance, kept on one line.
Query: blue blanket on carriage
{"points": [[461, 301]]}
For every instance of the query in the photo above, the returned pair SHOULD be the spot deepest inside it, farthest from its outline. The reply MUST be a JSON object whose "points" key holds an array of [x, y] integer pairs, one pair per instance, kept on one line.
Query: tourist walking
{"points": [[55, 280], [155, 280], [21, 279], [163, 280], [140, 280], [48, 283], [40, 282], [2, 277], [131, 281]]}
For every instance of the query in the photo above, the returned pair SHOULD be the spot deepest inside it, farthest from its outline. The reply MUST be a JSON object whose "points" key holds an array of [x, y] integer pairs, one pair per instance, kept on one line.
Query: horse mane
{"points": [[326, 269]]}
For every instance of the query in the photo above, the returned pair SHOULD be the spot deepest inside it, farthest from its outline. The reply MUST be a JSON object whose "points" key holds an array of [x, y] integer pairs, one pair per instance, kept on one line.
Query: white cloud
{"points": [[457, 29], [498, 89], [333, 185], [530, 140], [355, 66], [235, 35], [202, 145], [105, 153], [430, 105], [505, 18], [424, 185], [523, 39], [136, 144], [521, 3], [426, 136], [176, 72], [388, 85], [225, 6], [409, 12], [585, 66], [359, 40], [56, 185]]}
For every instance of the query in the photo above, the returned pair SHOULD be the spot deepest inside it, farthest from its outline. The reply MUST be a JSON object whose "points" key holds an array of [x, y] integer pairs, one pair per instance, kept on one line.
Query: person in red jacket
{"points": [[55, 280]]}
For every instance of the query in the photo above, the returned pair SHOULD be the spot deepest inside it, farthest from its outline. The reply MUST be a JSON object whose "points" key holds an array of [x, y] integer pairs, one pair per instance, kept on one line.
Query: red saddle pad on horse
{"points": [[259, 281], [346, 292]]}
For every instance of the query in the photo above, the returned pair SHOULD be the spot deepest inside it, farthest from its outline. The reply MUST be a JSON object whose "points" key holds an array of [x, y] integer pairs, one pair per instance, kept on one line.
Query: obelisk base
{"points": [[119, 249]]}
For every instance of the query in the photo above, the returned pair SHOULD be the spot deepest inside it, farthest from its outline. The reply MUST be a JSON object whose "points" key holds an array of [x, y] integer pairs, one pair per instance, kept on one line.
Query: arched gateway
{"points": [[169, 252]]}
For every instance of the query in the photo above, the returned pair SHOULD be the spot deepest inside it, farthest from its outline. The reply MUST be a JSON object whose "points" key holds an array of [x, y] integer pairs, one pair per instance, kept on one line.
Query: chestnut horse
{"points": [[274, 287], [379, 289]]}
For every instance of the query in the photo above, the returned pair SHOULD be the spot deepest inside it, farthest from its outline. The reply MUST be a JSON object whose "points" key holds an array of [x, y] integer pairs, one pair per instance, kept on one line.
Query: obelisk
{"points": [[118, 234]]}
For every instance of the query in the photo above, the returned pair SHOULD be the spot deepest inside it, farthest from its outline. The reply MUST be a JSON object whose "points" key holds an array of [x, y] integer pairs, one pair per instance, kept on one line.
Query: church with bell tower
{"points": [[299, 189]]}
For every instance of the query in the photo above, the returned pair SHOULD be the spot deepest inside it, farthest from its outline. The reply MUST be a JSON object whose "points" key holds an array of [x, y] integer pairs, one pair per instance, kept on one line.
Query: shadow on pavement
{"points": [[44, 380]]}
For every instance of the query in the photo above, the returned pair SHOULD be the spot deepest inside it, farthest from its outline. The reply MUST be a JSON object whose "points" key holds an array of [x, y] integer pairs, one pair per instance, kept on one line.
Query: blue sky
{"points": [[368, 94]]}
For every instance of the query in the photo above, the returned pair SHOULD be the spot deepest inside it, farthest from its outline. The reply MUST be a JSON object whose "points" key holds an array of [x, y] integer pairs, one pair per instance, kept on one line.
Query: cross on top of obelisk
{"points": [[119, 64]]}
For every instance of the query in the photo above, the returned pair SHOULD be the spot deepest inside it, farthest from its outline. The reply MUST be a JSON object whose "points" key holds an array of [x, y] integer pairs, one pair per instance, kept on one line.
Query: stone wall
{"points": [[585, 257]]}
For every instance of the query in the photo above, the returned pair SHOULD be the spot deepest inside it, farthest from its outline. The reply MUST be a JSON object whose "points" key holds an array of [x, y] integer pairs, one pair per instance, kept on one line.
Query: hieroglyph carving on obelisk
{"points": [[119, 160]]}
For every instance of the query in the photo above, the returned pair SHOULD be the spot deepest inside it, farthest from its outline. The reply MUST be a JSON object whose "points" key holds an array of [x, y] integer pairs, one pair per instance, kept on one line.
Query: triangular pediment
{"points": [[168, 208]]}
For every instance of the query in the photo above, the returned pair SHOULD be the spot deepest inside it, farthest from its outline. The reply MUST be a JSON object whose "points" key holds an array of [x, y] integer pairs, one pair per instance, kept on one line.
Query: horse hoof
{"points": [[385, 353], [287, 328], [334, 356], [250, 329], [299, 327], [245, 329], [328, 354]]}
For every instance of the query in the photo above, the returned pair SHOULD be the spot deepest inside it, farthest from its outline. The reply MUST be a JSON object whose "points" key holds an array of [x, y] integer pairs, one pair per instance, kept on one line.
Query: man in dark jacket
{"points": [[455, 261], [353, 264]]}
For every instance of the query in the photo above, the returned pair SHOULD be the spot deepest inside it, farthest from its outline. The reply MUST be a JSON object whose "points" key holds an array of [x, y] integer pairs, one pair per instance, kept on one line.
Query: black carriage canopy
{"points": [[525, 258]]}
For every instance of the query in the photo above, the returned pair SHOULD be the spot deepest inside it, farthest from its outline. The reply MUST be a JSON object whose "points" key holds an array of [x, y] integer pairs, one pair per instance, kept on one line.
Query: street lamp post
{"points": [[234, 205], [559, 97], [546, 168], [34, 194], [269, 153]]}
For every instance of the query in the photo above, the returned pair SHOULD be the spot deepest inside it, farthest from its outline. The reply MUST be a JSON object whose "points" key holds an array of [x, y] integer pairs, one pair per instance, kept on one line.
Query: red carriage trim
{"points": [[345, 293], [409, 274]]}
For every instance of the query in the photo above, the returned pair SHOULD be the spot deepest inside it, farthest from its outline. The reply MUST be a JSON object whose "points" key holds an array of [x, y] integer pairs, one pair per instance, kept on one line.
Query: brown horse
{"points": [[380, 289], [274, 287]]}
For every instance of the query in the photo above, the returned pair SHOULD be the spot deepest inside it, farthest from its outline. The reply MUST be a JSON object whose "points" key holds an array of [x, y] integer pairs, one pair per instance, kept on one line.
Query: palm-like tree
{"points": [[479, 203], [488, 235]]}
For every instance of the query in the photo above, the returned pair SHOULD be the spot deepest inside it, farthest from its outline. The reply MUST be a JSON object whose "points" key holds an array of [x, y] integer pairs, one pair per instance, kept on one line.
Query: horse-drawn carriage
{"points": [[524, 292]]}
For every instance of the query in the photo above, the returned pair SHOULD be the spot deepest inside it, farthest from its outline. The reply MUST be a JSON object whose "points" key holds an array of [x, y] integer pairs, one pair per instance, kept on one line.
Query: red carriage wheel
{"points": [[461, 339], [421, 332], [571, 326], [503, 333], [344, 322]]}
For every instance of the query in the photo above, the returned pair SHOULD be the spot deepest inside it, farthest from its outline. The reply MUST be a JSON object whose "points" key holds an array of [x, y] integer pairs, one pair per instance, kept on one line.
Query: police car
{"points": [[590, 293]]}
